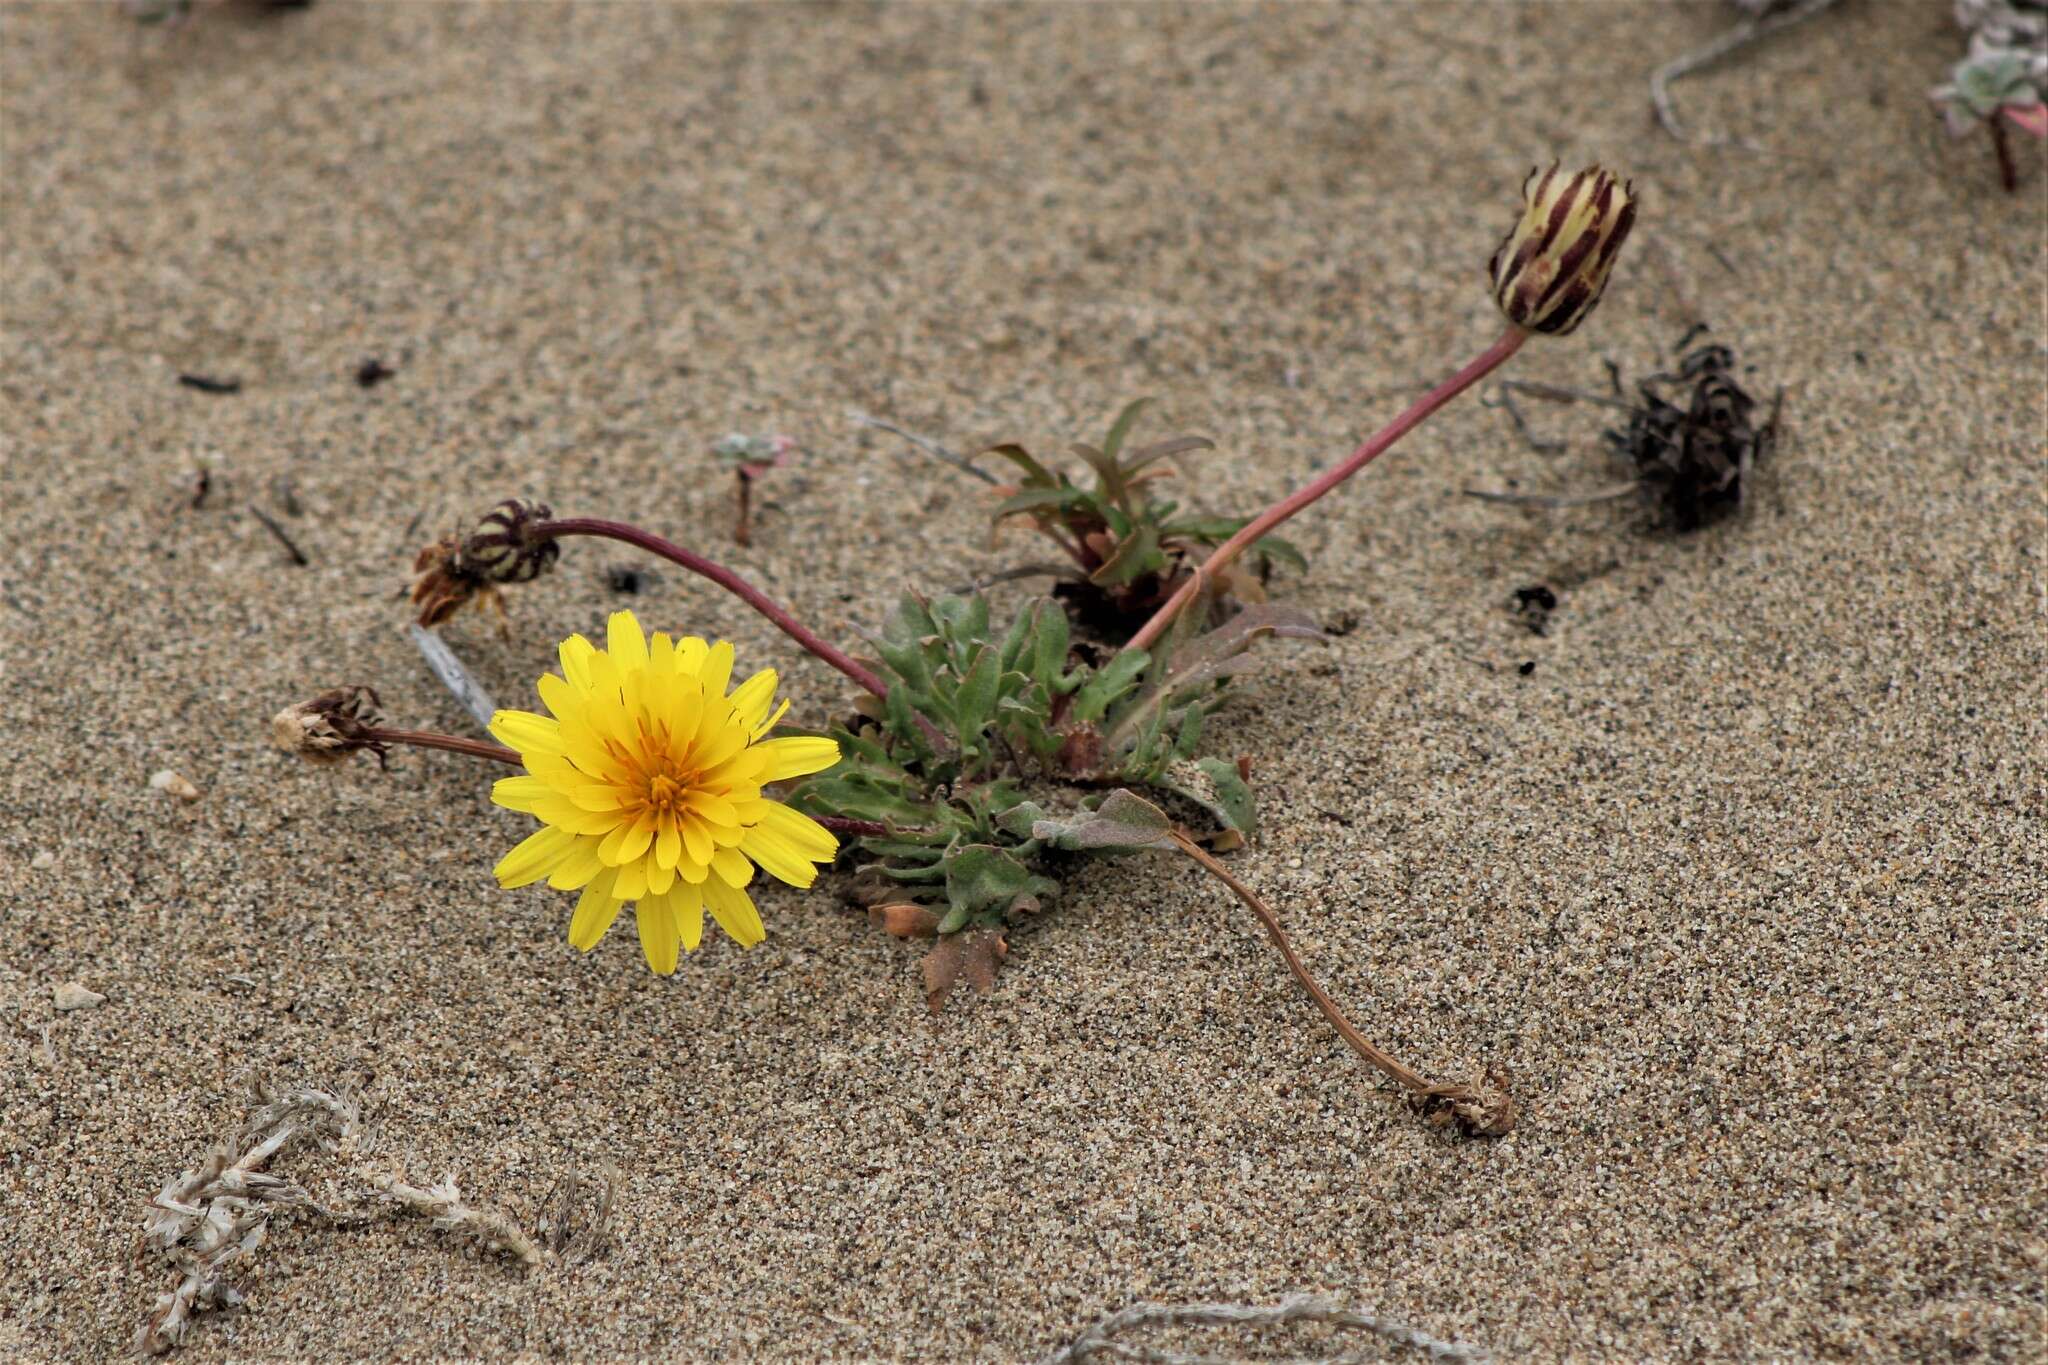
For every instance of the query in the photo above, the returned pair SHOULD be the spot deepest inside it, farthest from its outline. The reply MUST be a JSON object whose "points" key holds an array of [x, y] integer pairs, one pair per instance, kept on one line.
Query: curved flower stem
{"points": [[724, 578], [1219, 558], [1488, 1113], [1360, 1044], [432, 739]]}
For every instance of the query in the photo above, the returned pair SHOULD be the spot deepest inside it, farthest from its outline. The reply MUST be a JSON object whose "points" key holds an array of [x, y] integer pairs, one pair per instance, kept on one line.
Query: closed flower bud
{"points": [[503, 548], [1548, 272], [331, 726]]}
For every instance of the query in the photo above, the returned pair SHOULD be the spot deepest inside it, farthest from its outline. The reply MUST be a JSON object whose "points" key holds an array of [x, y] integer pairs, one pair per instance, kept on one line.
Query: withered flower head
{"points": [[331, 726], [1549, 271], [502, 548]]}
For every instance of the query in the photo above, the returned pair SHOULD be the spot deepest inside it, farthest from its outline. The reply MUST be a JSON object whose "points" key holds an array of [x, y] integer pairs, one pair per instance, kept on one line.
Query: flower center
{"points": [[665, 794]]}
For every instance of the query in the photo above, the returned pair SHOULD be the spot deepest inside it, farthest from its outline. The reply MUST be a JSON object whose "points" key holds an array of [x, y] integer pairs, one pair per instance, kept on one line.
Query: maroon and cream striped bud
{"points": [[1548, 272], [503, 547]]}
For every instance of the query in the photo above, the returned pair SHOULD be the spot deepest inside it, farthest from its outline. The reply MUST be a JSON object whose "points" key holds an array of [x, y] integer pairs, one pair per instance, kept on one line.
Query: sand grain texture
{"points": [[1745, 882]]}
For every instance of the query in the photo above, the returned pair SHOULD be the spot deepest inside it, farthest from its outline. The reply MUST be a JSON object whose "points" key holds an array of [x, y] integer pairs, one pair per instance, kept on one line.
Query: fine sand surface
{"points": [[1744, 883]]}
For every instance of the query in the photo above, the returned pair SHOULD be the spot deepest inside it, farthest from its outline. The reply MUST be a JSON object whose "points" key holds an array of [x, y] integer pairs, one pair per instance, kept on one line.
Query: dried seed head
{"points": [[503, 547], [1549, 271], [331, 726]]}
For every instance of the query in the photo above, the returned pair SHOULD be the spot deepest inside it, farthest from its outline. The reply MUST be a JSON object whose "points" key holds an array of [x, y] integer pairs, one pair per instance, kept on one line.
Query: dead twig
{"points": [[1098, 1339], [1482, 1110], [1768, 17], [270, 525], [926, 444]]}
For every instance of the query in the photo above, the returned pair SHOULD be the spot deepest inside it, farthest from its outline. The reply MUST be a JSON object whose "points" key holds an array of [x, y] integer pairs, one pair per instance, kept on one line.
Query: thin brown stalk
{"points": [[1485, 1112], [454, 744]]}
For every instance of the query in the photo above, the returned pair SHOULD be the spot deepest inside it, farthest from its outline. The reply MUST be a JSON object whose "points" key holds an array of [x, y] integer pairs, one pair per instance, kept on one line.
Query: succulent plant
{"points": [[1129, 551]]}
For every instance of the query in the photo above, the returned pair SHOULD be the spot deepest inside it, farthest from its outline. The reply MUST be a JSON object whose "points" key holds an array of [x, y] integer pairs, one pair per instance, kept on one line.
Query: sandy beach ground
{"points": [[1744, 881]]}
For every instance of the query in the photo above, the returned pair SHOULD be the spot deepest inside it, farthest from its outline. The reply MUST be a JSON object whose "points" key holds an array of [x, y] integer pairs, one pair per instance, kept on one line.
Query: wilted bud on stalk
{"points": [[331, 726], [503, 548], [1548, 272]]}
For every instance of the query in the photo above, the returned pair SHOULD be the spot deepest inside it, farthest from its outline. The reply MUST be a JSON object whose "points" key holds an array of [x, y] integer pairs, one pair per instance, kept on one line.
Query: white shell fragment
{"points": [[164, 780], [73, 995]]}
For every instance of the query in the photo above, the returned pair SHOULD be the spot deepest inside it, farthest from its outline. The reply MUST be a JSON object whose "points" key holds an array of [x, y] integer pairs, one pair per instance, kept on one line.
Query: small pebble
{"points": [[43, 861], [73, 995], [164, 780]]}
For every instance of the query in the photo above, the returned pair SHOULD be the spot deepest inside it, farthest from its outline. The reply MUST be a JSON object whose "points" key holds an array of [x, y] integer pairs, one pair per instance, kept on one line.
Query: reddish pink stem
{"points": [[1219, 558], [724, 578]]}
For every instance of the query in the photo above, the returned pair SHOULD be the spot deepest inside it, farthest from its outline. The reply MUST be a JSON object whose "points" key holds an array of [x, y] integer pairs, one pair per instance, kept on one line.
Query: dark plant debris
{"points": [[1533, 605], [624, 578], [290, 547], [1691, 441], [372, 372], [1694, 457], [208, 384]]}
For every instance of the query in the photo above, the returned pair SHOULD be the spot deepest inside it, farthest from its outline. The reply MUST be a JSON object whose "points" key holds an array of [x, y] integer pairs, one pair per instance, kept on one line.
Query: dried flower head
{"points": [[502, 548], [647, 780], [1548, 272], [330, 727]]}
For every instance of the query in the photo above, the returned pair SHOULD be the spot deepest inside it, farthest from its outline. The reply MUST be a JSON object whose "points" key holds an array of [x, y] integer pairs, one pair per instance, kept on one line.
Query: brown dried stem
{"points": [[454, 744], [724, 578], [1488, 1113]]}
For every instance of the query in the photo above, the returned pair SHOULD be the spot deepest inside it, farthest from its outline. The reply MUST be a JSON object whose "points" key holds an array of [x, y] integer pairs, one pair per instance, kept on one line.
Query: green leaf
{"points": [[1052, 638], [1190, 736], [975, 705], [1280, 552], [1214, 785], [1160, 450], [1121, 428], [1032, 499], [1137, 554], [1124, 822], [984, 877], [1117, 677], [1022, 458]]}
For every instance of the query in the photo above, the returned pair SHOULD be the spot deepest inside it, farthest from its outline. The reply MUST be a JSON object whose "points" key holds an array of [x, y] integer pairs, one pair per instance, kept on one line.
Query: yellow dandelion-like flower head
{"points": [[646, 777]]}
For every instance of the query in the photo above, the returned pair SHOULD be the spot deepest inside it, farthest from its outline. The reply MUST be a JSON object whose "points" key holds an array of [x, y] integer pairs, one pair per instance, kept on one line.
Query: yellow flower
{"points": [[647, 781]]}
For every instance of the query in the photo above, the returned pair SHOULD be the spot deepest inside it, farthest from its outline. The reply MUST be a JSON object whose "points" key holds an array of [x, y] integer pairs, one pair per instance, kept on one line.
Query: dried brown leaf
{"points": [[972, 953]]}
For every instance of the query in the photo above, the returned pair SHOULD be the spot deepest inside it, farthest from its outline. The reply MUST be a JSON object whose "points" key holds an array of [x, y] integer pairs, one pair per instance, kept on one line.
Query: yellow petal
{"points": [[732, 867], [520, 793], [688, 903], [632, 881], [716, 672], [524, 730], [769, 724], [734, 910], [778, 858], [696, 839], [803, 833], [659, 878], [595, 911], [668, 845], [657, 934], [626, 642], [750, 700], [577, 866], [795, 755], [534, 858], [690, 652], [575, 656], [562, 698]]}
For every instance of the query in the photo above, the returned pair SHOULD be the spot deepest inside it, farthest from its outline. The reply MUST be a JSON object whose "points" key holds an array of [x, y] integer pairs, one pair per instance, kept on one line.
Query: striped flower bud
{"points": [[503, 548], [1548, 272]]}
